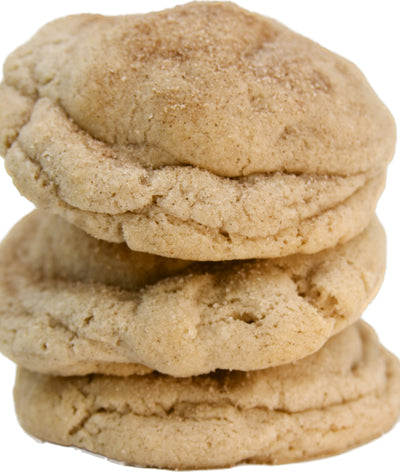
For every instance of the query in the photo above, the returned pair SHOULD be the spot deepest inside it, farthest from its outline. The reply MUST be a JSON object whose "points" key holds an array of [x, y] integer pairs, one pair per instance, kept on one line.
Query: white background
{"points": [[365, 32]]}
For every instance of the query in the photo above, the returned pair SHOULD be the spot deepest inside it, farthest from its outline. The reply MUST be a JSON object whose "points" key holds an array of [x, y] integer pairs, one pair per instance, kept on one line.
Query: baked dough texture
{"points": [[71, 304], [340, 397], [204, 132]]}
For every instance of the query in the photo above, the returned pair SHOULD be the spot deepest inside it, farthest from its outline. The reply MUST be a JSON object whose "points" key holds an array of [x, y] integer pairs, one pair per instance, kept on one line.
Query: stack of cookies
{"points": [[187, 294]]}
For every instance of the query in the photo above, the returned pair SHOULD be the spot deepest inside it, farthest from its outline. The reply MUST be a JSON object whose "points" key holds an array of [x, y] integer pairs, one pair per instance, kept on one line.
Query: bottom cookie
{"points": [[342, 396]]}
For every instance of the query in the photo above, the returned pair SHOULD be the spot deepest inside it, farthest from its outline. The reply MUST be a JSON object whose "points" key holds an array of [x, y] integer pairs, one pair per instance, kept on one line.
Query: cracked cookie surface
{"points": [[71, 304], [340, 397], [188, 140]]}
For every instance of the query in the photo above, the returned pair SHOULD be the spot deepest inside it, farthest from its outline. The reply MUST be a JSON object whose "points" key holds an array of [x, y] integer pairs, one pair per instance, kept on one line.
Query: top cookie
{"points": [[211, 130]]}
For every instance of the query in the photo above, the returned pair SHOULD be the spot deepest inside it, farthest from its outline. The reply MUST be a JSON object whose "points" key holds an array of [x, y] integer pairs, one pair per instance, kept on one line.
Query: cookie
{"points": [[73, 305], [340, 397], [203, 132]]}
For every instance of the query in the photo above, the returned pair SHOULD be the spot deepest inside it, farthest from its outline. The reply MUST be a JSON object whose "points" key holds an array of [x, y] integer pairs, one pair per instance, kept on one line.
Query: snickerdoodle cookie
{"points": [[71, 304], [340, 397], [203, 132]]}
